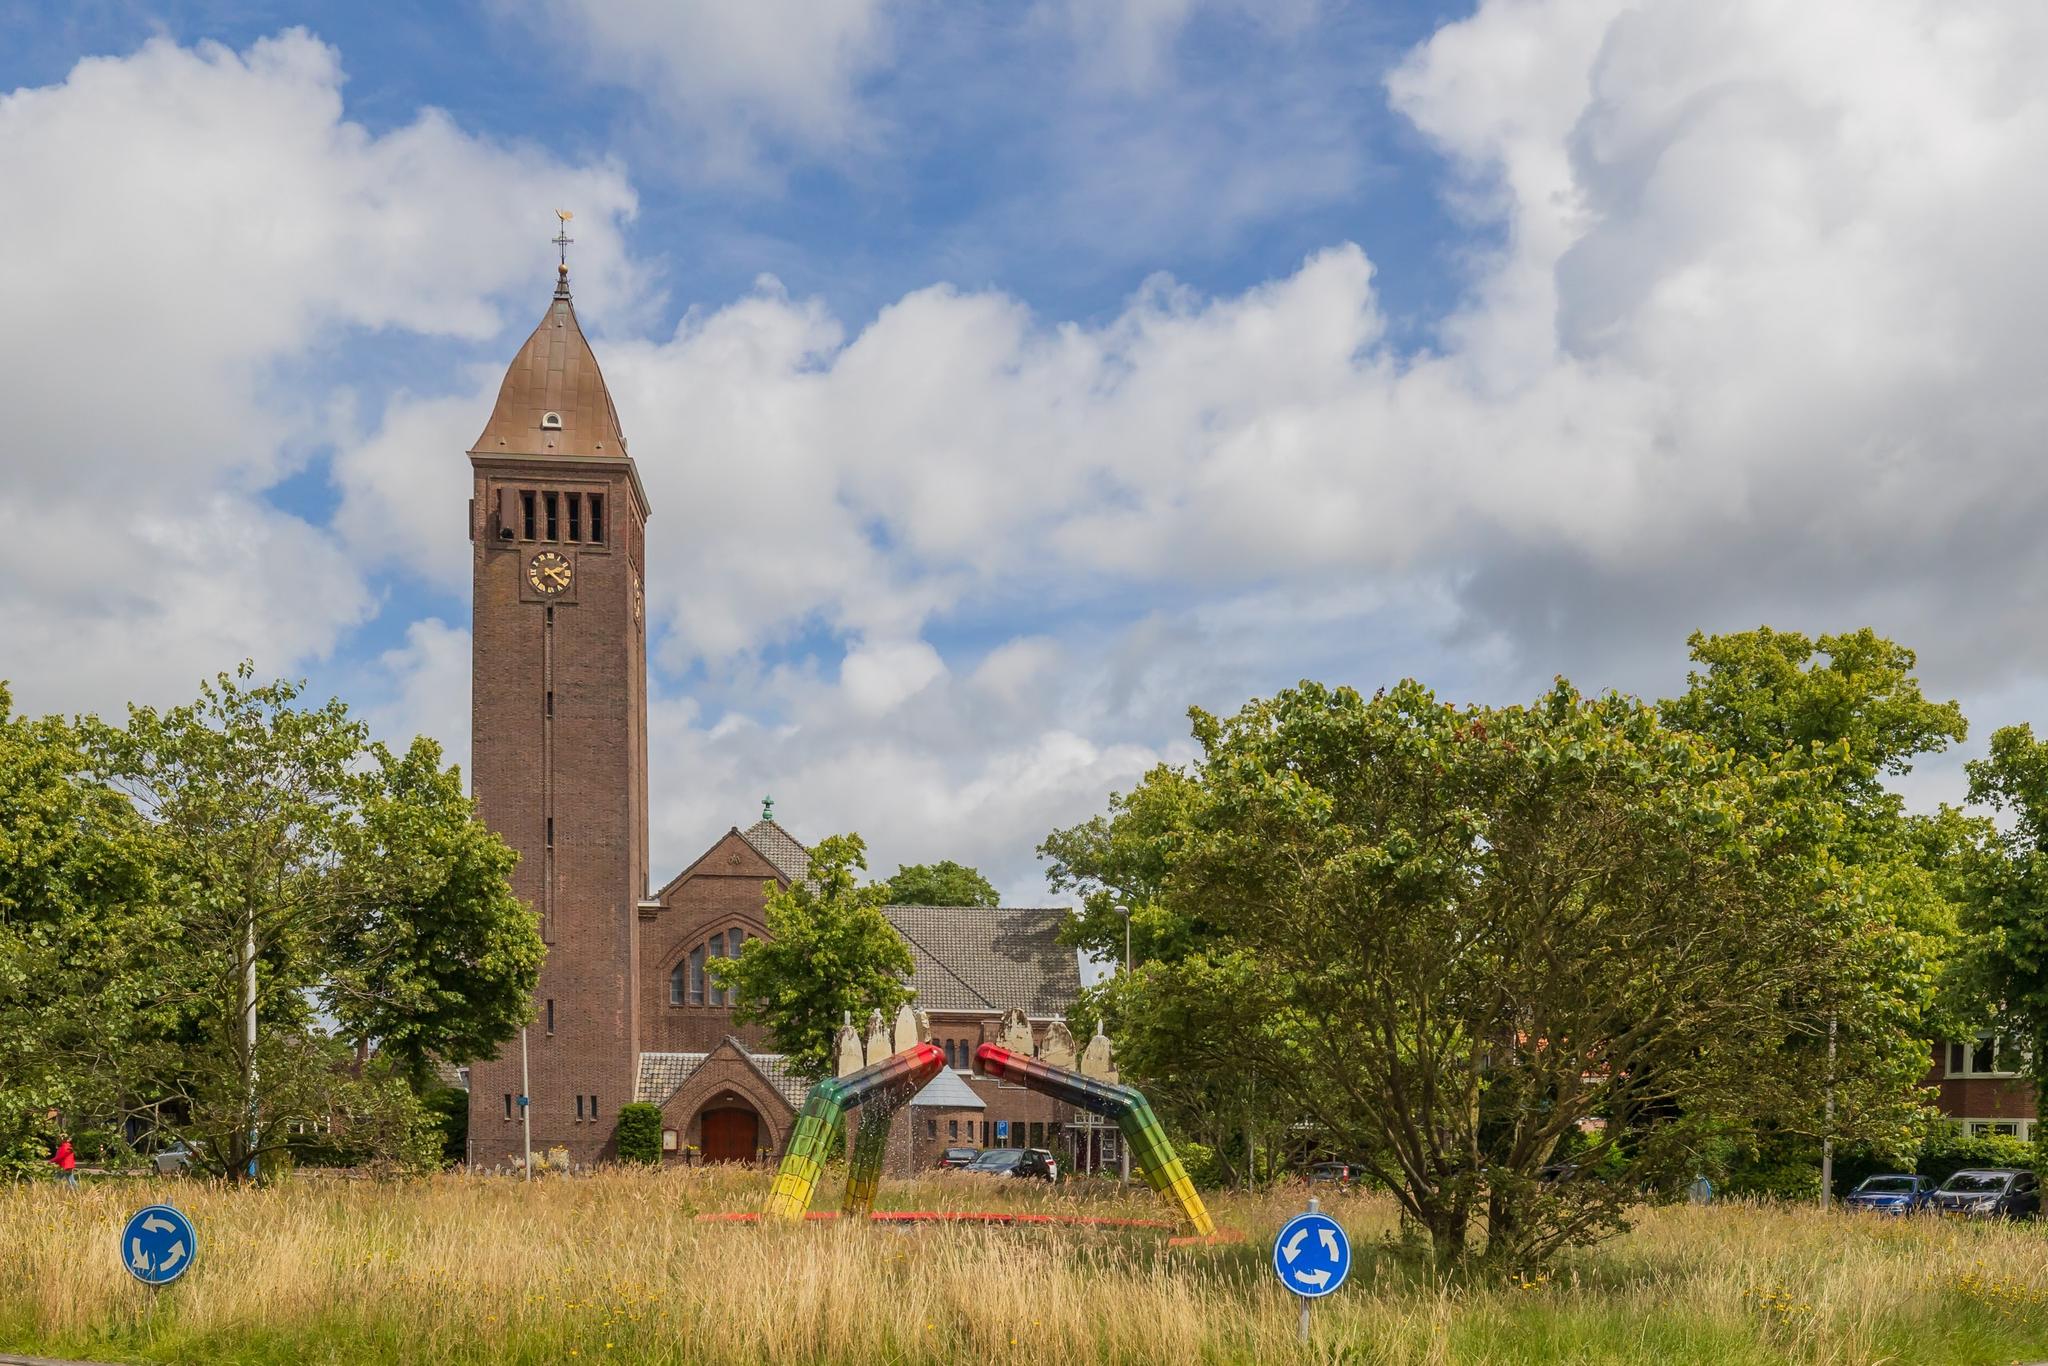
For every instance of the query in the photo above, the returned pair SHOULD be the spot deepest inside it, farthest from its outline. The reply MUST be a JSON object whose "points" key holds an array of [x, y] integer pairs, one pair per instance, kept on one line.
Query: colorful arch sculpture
{"points": [[880, 1090], [1126, 1107], [885, 1086]]}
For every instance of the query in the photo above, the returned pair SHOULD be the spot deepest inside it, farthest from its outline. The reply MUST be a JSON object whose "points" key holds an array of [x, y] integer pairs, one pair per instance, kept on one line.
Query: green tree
{"points": [[302, 866], [945, 883], [79, 926], [2007, 915], [1465, 943], [1847, 710], [830, 952]]}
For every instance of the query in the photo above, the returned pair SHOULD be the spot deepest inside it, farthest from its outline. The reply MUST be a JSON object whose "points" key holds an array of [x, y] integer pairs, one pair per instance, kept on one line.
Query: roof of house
{"points": [[663, 1074], [948, 1091], [780, 848], [989, 958]]}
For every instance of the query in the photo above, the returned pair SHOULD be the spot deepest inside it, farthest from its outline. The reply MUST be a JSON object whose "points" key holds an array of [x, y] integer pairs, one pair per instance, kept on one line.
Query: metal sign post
{"points": [[1311, 1256]]}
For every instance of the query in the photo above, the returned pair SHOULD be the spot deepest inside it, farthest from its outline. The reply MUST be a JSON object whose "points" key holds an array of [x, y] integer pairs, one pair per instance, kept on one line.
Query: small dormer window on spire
{"points": [[551, 421]]}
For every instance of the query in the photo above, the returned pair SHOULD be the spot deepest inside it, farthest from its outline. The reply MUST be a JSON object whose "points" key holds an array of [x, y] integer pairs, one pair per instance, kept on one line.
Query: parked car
{"points": [[1018, 1162], [1052, 1164], [958, 1157], [1990, 1193], [175, 1160], [1890, 1193], [1332, 1174]]}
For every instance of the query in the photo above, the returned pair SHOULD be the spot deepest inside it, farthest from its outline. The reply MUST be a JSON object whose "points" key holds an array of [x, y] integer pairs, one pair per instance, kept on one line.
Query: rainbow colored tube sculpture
{"points": [[1150, 1147], [884, 1087]]}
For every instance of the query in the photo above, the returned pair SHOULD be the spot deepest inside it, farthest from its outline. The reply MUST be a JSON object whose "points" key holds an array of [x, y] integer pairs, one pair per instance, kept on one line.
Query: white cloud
{"points": [[425, 690], [195, 227], [732, 73]]}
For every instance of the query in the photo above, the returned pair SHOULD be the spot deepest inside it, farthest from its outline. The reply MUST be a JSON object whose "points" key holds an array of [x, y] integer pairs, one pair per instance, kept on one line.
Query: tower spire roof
{"points": [[554, 400]]}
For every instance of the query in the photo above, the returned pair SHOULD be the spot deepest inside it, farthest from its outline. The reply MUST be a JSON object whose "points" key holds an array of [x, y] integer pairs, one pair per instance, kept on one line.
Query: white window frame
{"points": [[2006, 1047], [2022, 1129]]}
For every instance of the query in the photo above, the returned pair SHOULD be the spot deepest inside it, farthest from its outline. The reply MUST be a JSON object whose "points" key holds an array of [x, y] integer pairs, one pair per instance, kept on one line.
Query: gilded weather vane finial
{"points": [[562, 240]]}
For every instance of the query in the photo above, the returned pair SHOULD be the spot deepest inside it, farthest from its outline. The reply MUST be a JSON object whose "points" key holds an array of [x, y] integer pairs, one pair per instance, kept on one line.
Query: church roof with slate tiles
{"points": [[989, 958]]}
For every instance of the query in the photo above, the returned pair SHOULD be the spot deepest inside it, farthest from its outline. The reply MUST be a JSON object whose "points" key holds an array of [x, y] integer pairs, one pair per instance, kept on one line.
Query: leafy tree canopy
{"points": [[830, 953], [945, 883], [2007, 912], [244, 829], [1455, 938]]}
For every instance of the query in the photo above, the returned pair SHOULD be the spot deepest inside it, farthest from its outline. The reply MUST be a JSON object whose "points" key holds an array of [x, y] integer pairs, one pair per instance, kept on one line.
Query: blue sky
{"points": [[1009, 378]]}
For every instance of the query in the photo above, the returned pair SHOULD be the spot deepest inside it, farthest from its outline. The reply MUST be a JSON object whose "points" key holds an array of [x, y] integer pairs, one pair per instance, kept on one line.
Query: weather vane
{"points": [[562, 240]]}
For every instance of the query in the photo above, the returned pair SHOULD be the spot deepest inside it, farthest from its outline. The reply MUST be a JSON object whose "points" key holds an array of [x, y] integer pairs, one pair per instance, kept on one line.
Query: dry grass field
{"points": [[618, 1268]]}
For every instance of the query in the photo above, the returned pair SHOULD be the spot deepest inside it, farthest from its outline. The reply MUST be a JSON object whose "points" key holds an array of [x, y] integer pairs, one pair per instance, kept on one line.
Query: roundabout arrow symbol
{"points": [[174, 1256], [156, 1225], [1317, 1278], [1330, 1243], [1293, 1245]]}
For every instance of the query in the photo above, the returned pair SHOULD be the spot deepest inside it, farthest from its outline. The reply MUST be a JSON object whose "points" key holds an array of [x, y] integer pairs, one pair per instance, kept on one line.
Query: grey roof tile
{"points": [[663, 1074], [989, 958], [780, 848]]}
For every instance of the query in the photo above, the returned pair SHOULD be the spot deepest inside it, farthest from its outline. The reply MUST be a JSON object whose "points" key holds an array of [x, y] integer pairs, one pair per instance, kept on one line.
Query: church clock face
{"points": [[549, 573]]}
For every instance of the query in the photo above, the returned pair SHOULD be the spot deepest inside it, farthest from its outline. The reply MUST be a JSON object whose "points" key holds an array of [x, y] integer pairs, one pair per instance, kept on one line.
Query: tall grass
{"points": [[618, 1268]]}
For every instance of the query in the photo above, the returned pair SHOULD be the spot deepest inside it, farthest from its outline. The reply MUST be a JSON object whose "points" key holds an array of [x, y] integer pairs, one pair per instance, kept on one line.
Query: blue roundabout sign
{"points": [[158, 1245], [1312, 1256]]}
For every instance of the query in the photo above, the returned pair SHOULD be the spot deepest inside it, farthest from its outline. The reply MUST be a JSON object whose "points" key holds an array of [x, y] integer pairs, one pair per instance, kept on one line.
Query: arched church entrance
{"points": [[730, 1134]]}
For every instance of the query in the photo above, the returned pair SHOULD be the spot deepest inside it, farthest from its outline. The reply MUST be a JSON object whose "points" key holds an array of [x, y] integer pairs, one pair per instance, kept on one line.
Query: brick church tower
{"points": [[558, 756]]}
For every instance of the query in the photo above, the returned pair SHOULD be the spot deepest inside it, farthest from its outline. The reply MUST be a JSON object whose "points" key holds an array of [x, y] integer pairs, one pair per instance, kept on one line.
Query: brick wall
{"points": [[578, 759]]}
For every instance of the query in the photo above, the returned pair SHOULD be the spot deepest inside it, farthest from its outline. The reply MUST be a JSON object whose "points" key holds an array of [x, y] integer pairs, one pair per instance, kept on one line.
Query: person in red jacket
{"points": [[66, 1162]]}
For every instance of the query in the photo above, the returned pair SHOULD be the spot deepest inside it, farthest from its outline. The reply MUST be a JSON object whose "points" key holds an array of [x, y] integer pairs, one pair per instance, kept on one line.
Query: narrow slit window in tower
{"points": [[551, 1014], [597, 519], [575, 516], [579, 1107], [554, 515], [526, 512]]}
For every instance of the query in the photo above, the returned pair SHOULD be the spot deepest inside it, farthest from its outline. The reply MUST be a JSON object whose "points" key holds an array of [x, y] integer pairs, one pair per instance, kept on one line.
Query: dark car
{"points": [[1332, 1174], [1890, 1193], [1019, 1162], [958, 1157], [1990, 1193]]}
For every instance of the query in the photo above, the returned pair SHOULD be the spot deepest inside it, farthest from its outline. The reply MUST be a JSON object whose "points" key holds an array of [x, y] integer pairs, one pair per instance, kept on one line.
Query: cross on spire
{"points": [[562, 239], [767, 808]]}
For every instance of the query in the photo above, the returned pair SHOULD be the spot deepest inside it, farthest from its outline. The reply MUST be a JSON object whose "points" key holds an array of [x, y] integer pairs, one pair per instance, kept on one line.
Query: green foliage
{"points": [[80, 933], [164, 850], [1949, 1151], [945, 883], [1847, 712], [2008, 896], [449, 1108], [830, 952], [1448, 938], [640, 1133], [436, 957]]}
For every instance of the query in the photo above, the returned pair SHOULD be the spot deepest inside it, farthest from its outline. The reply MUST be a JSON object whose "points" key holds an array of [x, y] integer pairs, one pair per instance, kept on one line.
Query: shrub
{"points": [[1950, 1151], [449, 1107], [640, 1133]]}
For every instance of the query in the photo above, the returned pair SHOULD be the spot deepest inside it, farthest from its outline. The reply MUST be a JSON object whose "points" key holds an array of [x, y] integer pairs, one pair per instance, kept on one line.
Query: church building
{"points": [[625, 1009]]}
